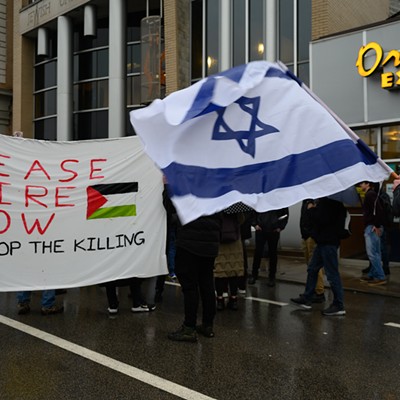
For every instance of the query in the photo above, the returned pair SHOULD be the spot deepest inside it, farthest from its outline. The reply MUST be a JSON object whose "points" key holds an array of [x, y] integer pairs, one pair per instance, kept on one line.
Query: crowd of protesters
{"points": [[208, 257]]}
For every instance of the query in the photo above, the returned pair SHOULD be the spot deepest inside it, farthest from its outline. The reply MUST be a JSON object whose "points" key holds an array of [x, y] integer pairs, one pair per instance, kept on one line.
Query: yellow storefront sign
{"points": [[389, 80]]}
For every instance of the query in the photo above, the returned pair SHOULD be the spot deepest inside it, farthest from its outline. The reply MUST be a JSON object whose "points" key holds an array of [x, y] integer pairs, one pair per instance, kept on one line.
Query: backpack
{"points": [[387, 209], [230, 229], [346, 227]]}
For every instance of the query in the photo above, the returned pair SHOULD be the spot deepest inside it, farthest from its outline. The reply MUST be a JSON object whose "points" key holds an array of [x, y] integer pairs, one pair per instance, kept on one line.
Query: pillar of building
{"points": [[225, 45], [22, 77], [177, 44], [117, 111], [64, 79]]}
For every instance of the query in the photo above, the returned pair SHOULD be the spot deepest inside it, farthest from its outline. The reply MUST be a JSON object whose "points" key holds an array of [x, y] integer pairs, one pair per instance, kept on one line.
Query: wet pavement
{"points": [[267, 349]]}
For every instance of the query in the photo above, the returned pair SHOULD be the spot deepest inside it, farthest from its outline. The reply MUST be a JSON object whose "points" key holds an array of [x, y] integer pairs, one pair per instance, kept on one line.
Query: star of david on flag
{"points": [[252, 134]]}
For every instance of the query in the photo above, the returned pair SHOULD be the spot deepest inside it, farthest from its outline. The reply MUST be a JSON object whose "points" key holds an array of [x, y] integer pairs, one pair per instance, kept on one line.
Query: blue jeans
{"points": [[325, 256], [48, 298], [373, 249]]}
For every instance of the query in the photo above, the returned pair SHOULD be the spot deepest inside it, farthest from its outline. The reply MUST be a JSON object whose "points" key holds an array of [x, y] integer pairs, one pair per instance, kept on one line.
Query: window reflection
{"points": [[46, 75], [212, 36], [134, 90], [303, 72], [390, 142], [239, 32], [91, 125], [256, 30], [46, 129], [133, 62], [46, 103], [90, 65], [369, 136], [197, 39], [286, 33], [91, 95], [304, 29]]}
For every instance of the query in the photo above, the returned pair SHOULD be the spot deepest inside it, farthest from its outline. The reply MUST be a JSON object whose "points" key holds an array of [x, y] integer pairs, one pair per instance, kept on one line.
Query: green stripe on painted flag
{"points": [[114, 212]]}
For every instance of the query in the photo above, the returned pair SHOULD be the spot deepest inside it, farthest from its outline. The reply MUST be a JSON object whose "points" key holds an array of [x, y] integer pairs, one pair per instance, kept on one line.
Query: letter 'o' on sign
{"points": [[361, 54]]}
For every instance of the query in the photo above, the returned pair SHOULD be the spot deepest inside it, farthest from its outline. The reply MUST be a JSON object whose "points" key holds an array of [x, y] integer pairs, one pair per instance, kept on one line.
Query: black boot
{"points": [[366, 270], [271, 282], [252, 278], [220, 303], [233, 303], [386, 270]]}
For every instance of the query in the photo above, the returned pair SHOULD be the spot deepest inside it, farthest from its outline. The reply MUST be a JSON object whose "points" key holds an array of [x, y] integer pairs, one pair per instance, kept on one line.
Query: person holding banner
{"points": [[197, 245], [48, 303]]}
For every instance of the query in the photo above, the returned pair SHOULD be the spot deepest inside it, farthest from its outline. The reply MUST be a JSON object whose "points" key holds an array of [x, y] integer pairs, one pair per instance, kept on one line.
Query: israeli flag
{"points": [[251, 134]]}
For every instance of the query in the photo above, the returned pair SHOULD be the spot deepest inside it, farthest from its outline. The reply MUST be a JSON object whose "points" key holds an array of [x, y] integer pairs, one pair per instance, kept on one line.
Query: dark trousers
{"points": [[196, 276], [135, 287], [222, 283], [272, 238], [243, 279]]}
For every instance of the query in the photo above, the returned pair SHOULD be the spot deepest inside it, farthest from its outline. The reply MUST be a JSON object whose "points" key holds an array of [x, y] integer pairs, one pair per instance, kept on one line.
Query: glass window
{"points": [[134, 89], [197, 39], [391, 142], [239, 32], [91, 95], [46, 75], [46, 103], [133, 22], [369, 136], [286, 33], [303, 72], [130, 131], [212, 36], [154, 7], [91, 65], [82, 42], [257, 45], [133, 62], [91, 125], [304, 29], [45, 129]]}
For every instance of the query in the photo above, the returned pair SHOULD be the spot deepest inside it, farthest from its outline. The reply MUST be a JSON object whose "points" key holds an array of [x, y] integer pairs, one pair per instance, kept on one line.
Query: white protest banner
{"points": [[78, 213]]}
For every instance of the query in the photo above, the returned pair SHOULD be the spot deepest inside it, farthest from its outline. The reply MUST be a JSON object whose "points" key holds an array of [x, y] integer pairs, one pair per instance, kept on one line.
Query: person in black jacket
{"points": [[268, 226], [197, 245], [308, 244], [327, 217]]}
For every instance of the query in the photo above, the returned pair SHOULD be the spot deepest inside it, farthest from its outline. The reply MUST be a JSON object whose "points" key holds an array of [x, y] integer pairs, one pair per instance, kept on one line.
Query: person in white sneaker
{"points": [[328, 218]]}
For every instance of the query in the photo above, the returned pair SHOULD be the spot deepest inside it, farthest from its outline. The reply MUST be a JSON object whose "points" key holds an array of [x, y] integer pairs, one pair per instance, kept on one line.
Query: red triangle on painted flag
{"points": [[94, 201]]}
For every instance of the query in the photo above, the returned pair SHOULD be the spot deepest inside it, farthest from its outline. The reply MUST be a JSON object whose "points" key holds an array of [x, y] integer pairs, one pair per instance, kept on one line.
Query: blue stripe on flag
{"points": [[289, 171], [202, 103]]}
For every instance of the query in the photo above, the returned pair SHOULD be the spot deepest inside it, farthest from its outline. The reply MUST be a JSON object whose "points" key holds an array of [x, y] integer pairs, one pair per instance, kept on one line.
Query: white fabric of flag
{"points": [[251, 134]]}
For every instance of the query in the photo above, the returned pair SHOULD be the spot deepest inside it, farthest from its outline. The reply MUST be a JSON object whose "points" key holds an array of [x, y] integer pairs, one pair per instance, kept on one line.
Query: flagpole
{"points": [[335, 116]]}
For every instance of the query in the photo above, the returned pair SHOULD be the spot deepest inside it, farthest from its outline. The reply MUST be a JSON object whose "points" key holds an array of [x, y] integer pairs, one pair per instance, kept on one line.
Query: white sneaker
{"points": [[142, 308], [112, 311]]}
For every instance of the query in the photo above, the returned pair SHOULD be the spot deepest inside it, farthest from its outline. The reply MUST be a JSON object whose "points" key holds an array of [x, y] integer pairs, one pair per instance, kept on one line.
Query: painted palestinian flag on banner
{"points": [[117, 197]]}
